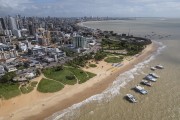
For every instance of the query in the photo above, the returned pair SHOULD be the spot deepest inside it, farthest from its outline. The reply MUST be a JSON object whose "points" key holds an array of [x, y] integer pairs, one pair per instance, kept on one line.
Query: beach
{"points": [[37, 106]]}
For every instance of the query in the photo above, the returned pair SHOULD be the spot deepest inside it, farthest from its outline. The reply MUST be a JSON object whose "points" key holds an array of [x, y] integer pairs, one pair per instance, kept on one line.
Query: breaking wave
{"points": [[112, 90]]}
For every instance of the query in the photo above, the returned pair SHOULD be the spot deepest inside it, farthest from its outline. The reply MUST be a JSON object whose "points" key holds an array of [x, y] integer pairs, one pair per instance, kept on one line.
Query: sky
{"points": [[100, 8]]}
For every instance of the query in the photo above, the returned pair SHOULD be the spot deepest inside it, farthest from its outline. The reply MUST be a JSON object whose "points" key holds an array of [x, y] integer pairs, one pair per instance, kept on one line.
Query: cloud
{"points": [[114, 8]]}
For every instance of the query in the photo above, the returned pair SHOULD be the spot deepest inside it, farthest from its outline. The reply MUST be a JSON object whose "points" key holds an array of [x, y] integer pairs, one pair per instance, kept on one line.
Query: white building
{"points": [[12, 23], [23, 46], [17, 33]]}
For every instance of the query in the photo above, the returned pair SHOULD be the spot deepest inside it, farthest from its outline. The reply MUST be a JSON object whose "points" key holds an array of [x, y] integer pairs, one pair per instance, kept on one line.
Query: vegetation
{"points": [[49, 86], [81, 75], [100, 55], [34, 83], [26, 89], [92, 65], [89, 75], [21, 67], [80, 61], [113, 59], [132, 47], [8, 77], [70, 77], [69, 52], [9, 90], [60, 76]]}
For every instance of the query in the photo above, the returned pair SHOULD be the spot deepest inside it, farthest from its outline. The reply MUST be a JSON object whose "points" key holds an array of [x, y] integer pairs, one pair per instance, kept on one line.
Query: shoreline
{"points": [[38, 106]]}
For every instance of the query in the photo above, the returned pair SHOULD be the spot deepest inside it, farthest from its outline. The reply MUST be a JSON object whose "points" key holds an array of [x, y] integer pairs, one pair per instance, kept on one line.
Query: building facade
{"points": [[80, 42]]}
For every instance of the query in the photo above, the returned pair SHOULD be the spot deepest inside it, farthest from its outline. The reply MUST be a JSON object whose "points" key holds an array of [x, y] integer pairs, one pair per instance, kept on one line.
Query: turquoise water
{"points": [[163, 100]]}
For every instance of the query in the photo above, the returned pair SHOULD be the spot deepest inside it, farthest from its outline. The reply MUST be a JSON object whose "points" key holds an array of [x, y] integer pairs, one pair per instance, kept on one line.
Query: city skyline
{"points": [[101, 8]]}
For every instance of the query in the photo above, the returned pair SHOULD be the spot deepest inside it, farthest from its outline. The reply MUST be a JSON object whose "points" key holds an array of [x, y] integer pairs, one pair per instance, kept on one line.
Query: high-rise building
{"points": [[80, 42], [31, 29], [17, 33], [3, 24], [12, 23]]}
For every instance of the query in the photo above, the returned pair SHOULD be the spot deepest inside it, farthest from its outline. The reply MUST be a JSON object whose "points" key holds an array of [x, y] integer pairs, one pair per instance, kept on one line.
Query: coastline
{"points": [[38, 106]]}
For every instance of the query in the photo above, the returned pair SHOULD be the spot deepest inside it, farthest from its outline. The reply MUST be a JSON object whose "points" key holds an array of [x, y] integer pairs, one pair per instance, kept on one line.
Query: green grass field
{"points": [[9, 90], [60, 75], [34, 83], [113, 59], [49, 86], [26, 89], [81, 75]]}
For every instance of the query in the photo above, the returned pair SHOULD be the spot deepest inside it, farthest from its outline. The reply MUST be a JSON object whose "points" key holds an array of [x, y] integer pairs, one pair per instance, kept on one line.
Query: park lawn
{"points": [[113, 59], [60, 76], [81, 75], [49, 86], [26, 89], [34, 83], [9, 90]]}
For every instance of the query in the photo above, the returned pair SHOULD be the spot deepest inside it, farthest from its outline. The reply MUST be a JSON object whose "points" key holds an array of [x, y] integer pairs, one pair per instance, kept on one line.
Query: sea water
{"points": [[163, 99]]}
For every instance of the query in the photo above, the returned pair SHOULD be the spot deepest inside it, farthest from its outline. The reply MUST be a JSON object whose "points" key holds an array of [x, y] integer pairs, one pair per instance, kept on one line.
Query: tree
{"points": [[59, 68], [8, 77], [111, 32], [99, 56], [70, 77]]}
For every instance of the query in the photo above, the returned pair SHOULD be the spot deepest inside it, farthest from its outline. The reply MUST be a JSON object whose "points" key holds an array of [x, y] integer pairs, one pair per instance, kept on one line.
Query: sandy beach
{"points": [[37, 106]]}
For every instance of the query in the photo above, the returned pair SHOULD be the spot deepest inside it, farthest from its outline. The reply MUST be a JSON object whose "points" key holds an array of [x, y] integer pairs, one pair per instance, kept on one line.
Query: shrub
{"points": [[92, 65], [113, 59], [34, 83], [70, 77]]}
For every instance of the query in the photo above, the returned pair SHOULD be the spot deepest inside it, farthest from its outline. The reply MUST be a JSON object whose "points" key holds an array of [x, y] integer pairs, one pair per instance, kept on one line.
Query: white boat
{"points": [[159, 67], [131, 98], [145, 82], [141, 89], [150, 78], [153, 68], [154, 75]]}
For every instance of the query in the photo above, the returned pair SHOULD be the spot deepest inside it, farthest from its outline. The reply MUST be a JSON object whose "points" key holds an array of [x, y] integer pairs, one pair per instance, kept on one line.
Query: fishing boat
{"points": [[159, 67], [131, 98], [150, 78], [141, 89], [154, 75], [147, 83], [153, 68]]}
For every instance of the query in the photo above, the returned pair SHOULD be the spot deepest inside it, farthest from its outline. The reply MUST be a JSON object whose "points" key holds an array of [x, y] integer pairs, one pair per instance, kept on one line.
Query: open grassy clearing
{"points": [[113, 59], [9, 90], [49, 86]]}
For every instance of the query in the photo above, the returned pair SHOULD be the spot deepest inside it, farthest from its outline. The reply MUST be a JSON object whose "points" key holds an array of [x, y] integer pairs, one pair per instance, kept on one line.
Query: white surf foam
{"points": [[111, 91]]}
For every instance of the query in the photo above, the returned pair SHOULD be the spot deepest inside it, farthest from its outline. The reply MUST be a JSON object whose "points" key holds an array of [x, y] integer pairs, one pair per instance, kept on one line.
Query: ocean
{"points": [[163, 99]]}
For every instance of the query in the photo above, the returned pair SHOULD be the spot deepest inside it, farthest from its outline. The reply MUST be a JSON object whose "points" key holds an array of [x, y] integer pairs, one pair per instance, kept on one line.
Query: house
{"points": [[25, 75], [2, 71], [32, 63], [48, 59], [10, 68], [30, 75]]}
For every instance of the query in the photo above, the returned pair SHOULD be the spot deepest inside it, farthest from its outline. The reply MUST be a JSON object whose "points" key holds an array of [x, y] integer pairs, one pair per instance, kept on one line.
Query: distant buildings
{"points": [[31, 43]]}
